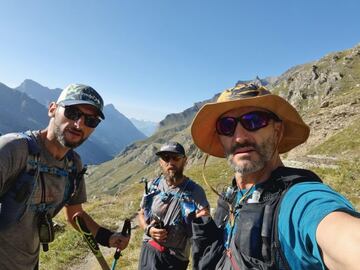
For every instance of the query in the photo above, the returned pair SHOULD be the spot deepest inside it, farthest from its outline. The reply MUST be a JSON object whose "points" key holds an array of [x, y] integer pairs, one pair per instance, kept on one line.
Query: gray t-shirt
{"points": [[19, 244], [167, 206]]}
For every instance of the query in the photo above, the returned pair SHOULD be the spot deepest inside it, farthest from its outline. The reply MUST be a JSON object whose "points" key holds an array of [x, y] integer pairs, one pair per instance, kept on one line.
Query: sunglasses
{"points": [[167, 157], [251, 121], [73, 113]]}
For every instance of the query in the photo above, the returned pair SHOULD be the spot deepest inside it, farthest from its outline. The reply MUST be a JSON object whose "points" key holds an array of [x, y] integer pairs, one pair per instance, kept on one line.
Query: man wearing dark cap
{"points": [[167, 211], [40, 174], [270, 216]]}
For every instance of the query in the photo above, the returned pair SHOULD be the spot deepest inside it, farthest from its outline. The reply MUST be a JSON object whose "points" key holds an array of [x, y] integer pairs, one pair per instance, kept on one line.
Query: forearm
{"points": [[338, 236], [71, 210], [141, 219]]}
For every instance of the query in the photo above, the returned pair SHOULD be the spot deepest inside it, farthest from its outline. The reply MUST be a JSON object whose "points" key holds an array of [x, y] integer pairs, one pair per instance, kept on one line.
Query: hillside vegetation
{"points": [[327, 94]]}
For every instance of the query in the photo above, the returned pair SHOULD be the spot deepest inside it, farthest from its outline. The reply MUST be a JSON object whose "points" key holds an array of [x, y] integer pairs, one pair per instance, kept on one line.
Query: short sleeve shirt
{"points": [[302, 209], [20, 244], [167, 206]]}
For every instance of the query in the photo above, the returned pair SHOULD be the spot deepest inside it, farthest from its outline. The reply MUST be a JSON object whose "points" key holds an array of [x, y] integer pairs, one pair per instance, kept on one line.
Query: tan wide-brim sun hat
{"points": [[203, 128]]}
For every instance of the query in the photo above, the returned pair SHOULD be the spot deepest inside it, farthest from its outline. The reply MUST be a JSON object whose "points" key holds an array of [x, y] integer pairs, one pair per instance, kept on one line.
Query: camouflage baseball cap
{"points": [[81, 94]]}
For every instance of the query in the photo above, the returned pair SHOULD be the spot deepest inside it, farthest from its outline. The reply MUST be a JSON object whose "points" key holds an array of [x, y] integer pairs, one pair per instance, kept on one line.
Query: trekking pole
{"points": [[126, 230], [145, 181], [90, 240]]}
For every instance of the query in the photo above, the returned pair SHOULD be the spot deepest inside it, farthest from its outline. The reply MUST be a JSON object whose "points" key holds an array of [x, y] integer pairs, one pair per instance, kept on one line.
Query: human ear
{"points": [[279, 130], [52, 109]]}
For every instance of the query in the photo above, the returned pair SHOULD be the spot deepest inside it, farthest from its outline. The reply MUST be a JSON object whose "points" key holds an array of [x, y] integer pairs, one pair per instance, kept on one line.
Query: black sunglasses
{"points": [[73, 113], [251, 121], [168, 157]]}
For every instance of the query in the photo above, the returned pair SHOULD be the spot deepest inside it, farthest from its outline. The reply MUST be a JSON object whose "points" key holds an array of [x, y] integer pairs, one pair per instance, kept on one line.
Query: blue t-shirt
{"points": [[302, 209]]}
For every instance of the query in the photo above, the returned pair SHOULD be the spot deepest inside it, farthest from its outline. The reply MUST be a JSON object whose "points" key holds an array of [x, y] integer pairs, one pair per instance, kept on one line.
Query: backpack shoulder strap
{"points": [[190, 186], [154, 184], [293, 176], [74, 178], [289, 176], [33, 146], [33, 156]]}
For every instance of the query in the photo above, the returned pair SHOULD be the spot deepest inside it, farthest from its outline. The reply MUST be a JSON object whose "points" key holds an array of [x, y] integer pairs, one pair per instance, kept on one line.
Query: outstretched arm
{"points": [[338, 236], [109, 238]]}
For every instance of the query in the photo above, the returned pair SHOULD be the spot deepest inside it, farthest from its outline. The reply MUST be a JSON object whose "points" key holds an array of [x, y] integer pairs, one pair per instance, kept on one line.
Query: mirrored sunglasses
{"points": [[73, 113], [251, 121]]}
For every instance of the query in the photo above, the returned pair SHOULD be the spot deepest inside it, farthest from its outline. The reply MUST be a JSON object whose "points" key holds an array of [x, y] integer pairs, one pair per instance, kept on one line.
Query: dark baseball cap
{"points": [[75, 94], [171, 147]]}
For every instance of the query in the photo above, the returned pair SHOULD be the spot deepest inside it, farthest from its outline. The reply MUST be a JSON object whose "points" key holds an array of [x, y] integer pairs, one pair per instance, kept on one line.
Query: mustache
{"points": [[74, 129], [242, 145]]}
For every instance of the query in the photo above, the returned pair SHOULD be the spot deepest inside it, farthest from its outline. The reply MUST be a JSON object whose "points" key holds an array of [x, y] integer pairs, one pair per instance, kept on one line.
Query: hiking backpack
{"points": [[16, 198], [254, 241]]}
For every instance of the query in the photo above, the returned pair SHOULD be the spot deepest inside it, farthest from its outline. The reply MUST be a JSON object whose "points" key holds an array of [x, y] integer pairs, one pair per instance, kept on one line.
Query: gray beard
{"points": [[265, 151]]}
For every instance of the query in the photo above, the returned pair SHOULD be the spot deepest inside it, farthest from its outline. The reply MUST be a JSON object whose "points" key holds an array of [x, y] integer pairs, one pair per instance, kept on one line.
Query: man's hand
{"points": [[159, 235], [203, 212], [119, 241]]}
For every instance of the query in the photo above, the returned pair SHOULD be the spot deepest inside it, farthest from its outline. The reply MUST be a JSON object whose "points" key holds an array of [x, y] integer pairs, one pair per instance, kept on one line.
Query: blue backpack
{"points": [[16, 199]]}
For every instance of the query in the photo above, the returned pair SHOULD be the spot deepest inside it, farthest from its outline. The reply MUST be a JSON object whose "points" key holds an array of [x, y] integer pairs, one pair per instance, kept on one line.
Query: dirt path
{"points": [[91, 263]]}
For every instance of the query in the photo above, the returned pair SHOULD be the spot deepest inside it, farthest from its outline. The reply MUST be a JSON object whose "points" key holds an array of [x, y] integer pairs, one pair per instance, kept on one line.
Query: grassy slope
{"points": [[69, 248], [344, 144]]}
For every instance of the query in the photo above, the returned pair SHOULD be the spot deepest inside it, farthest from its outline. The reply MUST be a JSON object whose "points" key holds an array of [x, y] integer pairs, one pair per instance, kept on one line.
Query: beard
{"points": [[173, 176], [265, 152], [65, 143]]}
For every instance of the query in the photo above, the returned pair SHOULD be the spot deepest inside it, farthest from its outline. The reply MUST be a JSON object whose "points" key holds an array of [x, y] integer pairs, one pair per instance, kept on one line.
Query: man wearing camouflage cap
{"points": [[40, 174], [271, 216]]}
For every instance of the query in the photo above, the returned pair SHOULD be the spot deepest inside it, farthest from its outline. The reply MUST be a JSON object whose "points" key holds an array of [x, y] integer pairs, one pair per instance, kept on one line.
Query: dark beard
{"points": [[174, 177], [61, 139]]}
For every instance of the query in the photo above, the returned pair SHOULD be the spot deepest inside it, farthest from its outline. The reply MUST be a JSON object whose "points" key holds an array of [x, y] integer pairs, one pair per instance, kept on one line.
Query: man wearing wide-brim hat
{"points": [[270, 216]]}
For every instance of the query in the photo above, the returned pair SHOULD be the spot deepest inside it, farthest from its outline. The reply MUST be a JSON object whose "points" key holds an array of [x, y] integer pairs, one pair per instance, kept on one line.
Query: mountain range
{"points": [[25, 107], [326, 92], [146, 127]]}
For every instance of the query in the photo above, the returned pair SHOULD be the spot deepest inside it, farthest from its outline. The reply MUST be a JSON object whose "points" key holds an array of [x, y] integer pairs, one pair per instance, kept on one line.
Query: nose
{"points": [[240, 134], [171, 162], [80, 122]]}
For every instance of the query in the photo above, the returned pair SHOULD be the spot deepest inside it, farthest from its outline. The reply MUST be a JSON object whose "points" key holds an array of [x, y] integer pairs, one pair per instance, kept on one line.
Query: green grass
{"points": [[69, 248], [345, 143], [217, 174], [345, 179]]}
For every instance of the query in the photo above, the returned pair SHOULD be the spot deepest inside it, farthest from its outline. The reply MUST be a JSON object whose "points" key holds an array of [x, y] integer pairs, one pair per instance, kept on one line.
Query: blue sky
{"points": [[154, 57]]}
